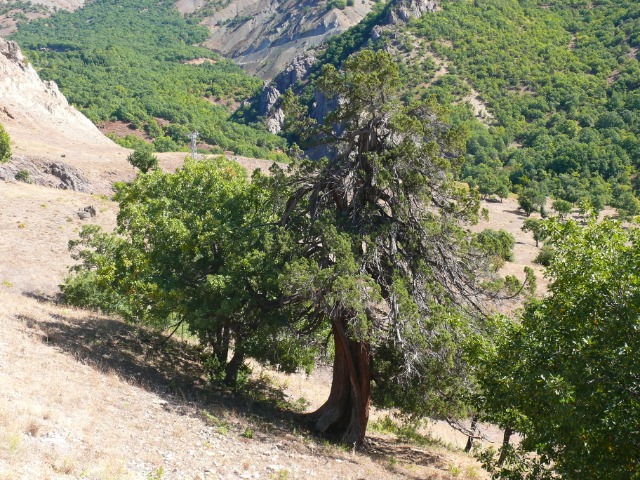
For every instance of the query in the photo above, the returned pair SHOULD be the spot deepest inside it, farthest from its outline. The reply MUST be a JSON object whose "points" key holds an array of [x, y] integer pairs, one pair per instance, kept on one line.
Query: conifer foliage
{"points": [[368, 248]]}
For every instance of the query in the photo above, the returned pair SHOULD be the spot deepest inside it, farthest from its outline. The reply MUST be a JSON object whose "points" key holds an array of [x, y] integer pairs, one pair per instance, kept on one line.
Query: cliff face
{"points": [[264, 36]]}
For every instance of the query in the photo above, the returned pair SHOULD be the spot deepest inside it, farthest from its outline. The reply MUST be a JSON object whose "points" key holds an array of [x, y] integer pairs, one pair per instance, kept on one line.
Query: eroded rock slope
{"points": [[264, 36]]}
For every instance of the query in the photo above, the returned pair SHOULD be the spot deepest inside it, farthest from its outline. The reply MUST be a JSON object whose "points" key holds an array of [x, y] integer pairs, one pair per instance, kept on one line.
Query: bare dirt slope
{"points": [[44, 128], [86, 396]]}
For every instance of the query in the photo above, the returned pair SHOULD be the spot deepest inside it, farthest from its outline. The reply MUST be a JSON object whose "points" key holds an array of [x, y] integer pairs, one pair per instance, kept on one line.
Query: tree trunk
{"points": [[344, 416], [505, 445], [233, 367], [474, 426]]}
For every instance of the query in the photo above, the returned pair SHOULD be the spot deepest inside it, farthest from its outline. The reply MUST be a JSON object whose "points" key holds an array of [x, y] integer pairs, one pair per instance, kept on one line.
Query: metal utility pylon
{"points": [[193, 136]]}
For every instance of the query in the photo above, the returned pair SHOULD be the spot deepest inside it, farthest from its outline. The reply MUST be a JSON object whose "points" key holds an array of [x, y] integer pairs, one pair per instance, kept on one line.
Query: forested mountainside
{"points": [[264, 36], [15, 12], [548, 90], [134, 61]]}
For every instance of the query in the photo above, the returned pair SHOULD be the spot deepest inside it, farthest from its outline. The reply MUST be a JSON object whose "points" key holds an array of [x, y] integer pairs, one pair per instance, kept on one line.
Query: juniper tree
{"points": [[380, 251]]}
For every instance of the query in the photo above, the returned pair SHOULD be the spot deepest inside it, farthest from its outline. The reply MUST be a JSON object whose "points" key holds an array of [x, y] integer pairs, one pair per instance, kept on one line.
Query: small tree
{"points": [[5, 145], [531, 200], [536, 227], [562, 207], [143, 159], [567, 376], [497, 243]]}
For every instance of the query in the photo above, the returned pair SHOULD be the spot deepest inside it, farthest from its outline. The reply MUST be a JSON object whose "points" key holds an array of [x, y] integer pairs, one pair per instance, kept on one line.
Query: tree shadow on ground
{"points": [[393, 456], [173, 369]]}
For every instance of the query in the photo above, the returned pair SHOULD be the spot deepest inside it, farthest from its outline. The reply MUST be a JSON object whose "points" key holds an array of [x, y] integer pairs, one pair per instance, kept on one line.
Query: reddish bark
{"points": [[345, 414]]}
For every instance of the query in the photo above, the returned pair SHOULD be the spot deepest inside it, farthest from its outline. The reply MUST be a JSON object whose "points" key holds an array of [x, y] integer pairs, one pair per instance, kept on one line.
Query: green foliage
{"points": [[379, 232], [545, 256], [560, 79], [5, 145], [340, 4], [23, 176], [562, 207], [566, 375], [498, 244], [130, 62], [531, 200], [192, 248], [536, 227], [143, 159]]}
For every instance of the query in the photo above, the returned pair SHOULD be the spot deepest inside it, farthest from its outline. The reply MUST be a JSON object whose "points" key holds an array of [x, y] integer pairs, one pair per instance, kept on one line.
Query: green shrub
{"points": [[143, 159], [23, 176], [545, 256], [498, 244], [5, 145]]}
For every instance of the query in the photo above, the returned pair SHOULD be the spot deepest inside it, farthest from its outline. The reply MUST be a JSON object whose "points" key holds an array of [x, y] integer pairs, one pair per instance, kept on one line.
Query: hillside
{"points": [[85, 396], [13, 12], [547, 91], [264, 36], [138, 66], [51, 140]]}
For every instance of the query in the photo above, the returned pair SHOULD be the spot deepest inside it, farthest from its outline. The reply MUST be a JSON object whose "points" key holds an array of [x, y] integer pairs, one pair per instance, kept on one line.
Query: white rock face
{"points": [[58, 145], [27, 102]]}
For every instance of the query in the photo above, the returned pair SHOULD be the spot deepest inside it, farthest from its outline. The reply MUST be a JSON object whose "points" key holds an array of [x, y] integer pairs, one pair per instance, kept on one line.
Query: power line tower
{"points": [[193, 136]]}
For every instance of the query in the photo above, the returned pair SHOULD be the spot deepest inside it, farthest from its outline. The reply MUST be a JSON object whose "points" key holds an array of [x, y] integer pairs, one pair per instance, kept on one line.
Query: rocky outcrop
{"points": [[404, 10], [293, 74], [264, 36], [297, 71], [268, 99], [41, 171], [51, 140]]}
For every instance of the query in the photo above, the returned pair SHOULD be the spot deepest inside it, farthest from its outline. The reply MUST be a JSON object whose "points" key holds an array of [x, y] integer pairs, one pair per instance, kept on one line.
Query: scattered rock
{"points": [[297, 71], [404, 10], [87, 212], [71, 178], [46, 173]]}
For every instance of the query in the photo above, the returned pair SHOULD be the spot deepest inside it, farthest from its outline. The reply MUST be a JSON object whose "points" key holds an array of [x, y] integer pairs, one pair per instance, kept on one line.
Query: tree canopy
{"points": [[566, 377]]}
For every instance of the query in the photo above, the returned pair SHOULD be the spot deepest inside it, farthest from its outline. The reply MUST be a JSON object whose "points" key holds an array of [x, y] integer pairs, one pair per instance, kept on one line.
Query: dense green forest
{"points": [[559, 80], [126, 61]]}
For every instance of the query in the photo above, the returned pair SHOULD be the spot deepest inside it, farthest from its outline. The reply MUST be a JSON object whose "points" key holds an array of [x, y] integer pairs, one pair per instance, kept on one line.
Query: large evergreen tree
{"points": [[380, 252], [368, 248]]}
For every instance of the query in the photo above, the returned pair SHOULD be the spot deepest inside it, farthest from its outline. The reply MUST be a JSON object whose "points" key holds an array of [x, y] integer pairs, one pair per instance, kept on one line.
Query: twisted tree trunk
{"points": [[345, 414]]}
